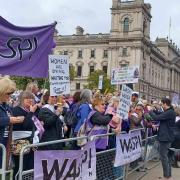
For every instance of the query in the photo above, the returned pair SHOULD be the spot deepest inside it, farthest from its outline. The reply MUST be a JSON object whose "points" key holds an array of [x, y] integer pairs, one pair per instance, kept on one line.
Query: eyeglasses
{"points": [[138, 109], [9, 93], [54, 96]]}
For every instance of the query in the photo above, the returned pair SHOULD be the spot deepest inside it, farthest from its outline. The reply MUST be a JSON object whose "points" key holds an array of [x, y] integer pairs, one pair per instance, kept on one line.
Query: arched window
{"points": [[126, 25]]}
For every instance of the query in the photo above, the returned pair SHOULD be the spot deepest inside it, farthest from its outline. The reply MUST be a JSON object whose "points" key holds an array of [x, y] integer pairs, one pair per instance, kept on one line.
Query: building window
{"points": [[105, 69], [79, 71], [105, 54], [80, 54], [124, 65], [78, 86], [92, 53], [65, 52], [126, 25], [124, 52], [91, 69]]}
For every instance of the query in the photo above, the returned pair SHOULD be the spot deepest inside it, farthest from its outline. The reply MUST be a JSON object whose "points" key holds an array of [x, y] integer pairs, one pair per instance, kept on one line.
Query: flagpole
{"points": [[170, 28]]}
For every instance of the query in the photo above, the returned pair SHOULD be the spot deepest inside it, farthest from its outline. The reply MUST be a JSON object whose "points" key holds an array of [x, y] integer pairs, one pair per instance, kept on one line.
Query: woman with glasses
{"points": [[25, 130], [7, 87], [99, 124]]}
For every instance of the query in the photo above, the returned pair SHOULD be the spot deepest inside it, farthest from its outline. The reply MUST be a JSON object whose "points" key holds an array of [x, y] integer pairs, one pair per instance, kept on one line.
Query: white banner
{"points": [[128, 148], [125, 75], [125, 102], [59, 75], [100, 85]]}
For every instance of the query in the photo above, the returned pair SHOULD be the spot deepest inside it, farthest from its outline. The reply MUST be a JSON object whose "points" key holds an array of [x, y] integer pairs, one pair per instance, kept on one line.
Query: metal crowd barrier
{"points": [[3, 165], [105, 159]]}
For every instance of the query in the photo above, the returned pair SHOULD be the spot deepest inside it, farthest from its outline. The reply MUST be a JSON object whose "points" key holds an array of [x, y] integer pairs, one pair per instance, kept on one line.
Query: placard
{"points": [[125, 75], [59, 75]]}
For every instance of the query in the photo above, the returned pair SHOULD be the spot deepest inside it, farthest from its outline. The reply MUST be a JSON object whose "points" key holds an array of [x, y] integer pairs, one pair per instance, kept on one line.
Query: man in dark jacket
{"points": [[165, 134]]}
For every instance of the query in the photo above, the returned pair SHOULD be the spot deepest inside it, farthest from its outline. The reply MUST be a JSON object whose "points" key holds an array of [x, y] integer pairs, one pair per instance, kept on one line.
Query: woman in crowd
{"points": [[25, 130], [112, 109], [176, 142], [70, 113], [84, 108], [52, 124], [99, 124], [7, 87]]}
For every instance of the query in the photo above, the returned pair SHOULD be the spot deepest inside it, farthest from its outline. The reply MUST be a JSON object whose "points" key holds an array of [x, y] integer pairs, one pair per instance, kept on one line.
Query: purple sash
{"points": [[38, 125]]}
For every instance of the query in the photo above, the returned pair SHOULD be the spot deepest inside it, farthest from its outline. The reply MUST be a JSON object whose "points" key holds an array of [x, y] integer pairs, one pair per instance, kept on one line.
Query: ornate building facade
{"points": [[127, 44]]}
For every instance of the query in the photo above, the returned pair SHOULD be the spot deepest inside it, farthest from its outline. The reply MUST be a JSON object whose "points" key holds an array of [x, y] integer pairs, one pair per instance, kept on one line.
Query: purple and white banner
{"points": [[24, 50], [128, 148], [66, 164]]}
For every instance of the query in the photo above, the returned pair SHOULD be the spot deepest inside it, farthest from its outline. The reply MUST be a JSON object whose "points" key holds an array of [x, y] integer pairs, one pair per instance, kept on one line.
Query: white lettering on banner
{"points": [[68, 164], [128, 148], [125, 102], [59, 75]]}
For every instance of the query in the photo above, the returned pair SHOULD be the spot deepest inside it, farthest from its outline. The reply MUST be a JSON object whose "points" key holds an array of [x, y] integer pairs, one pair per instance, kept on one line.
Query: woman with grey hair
{"points": [[84, 108], [25, 130]]}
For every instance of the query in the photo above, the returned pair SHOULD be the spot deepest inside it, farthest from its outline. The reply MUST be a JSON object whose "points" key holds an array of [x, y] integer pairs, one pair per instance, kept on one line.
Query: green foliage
{"points": [[21, 82], [72, 72], [93, 80]]}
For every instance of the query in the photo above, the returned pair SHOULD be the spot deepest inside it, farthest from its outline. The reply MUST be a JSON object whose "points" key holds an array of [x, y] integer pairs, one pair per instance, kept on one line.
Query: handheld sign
{"points": [[59, 75], [125, 102], [100, 85], [125, 75]]}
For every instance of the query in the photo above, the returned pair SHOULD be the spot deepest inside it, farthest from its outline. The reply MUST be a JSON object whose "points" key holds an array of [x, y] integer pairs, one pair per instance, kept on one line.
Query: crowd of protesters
{"points": [[36, 116]]}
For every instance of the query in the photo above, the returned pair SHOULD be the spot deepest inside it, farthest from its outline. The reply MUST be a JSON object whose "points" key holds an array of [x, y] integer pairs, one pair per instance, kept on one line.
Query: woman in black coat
{"points": [[52, 124], [25, 130]]}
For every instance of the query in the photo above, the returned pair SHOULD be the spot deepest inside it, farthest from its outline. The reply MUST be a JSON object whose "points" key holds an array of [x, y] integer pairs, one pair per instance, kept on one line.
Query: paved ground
{"points": [[154, 173]]}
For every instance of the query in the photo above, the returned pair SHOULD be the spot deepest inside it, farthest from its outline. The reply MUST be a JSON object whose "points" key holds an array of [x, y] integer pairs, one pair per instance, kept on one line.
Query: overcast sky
{"points": [[93, 15]]}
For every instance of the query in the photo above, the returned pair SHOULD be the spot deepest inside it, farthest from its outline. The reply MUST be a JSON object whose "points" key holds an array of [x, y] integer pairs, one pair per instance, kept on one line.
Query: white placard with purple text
{"points": [[66, 164], [128, 148]]}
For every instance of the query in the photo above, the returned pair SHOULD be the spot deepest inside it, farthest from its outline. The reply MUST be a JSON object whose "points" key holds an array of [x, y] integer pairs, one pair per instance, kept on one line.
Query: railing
{"points": [[105, 159]]}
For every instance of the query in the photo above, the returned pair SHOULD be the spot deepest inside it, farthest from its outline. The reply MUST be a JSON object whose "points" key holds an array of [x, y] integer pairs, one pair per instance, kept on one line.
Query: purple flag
{"points": [[24, 50]]}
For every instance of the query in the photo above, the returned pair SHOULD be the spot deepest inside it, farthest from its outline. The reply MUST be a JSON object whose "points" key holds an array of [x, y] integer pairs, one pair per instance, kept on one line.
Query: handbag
{"points": [[17, 145]]}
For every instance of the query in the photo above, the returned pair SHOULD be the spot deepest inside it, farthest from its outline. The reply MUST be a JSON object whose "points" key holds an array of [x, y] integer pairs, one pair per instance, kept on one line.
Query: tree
{"points": [[21, 82], [93, 80], [72, 72]]}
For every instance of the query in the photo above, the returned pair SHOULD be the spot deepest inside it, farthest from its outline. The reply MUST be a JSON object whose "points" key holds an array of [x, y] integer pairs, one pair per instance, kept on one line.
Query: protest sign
{"points": [[66, 164], [100, 85], [125, 75], [175, 99], [59, 75], [128, 148], [125, 102]]}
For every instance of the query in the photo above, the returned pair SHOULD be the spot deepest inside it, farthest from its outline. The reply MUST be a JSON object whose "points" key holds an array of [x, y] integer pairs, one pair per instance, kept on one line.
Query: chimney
{"points": [[79, 30]]}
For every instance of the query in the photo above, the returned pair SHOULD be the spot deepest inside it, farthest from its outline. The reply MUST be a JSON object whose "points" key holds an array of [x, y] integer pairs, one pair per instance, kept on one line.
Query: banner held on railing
{"points": [[128, 148], [66, 164]]}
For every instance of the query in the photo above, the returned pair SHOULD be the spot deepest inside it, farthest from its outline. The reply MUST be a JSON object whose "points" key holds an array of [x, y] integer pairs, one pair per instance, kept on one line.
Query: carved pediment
{"points": [[79, 63]]}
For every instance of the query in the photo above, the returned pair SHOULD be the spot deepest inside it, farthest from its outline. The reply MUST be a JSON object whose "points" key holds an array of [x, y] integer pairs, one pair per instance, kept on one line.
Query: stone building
{"points": [[128, 43]]}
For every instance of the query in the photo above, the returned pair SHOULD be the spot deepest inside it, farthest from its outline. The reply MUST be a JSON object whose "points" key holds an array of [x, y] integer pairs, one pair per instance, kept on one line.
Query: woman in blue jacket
{"points": [[7, 87]]}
